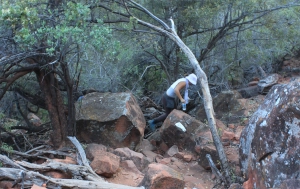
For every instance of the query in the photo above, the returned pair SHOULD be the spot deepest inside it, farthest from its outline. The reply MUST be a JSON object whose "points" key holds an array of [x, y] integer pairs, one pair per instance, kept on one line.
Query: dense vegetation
{"points": [[54, 49]]}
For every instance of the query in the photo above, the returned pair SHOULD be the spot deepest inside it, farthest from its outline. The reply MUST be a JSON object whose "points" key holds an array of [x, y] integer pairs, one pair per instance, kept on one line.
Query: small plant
{"points": [[7, 126], [2, 116], [220, 132], [84, 145], [233, 176], [6, 148]]}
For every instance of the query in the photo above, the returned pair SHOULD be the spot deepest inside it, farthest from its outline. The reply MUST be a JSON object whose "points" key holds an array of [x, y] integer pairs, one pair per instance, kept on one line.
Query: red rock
{"points": [[58, 174], [6, 184], [34, 120], [238, 132], [172, 151], [187, 157], [37, 187], [231, 126], [165, 161], [160, 176], [220, 125], [145, 145], [198, 148], [163, 147], [67, 160], [180, 155], [106, 165], [248, 185], [128, 174], [94, 150], [150, 155], [139, 159], [227, 135]]}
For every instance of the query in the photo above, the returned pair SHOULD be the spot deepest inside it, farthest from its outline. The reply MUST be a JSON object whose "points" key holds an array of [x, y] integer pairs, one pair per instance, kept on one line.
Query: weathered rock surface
{"points": [[102, 162], [230, 107], [128, 174], [112, 119], [196, 140], [139, 159], [264, 85], [173, 135], [160, 176], [269, 144]]}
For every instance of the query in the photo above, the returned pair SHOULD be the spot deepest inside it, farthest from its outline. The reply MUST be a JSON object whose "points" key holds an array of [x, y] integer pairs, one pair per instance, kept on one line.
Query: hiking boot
{"points": [[152, 125]]}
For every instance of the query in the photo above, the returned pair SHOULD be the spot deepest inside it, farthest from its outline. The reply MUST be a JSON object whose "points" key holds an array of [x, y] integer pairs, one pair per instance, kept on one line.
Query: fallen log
{"points": [[31, 178], [27, 174], [77, 171], [82, 156], [5, 160]]}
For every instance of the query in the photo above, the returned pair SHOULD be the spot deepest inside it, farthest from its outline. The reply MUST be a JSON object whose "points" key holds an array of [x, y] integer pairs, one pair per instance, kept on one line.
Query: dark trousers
{"points": [[169, 104]]}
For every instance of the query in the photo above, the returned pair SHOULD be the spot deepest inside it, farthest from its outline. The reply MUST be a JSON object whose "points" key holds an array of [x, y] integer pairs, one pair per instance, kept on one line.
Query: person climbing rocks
{"points": [[168, 98]]}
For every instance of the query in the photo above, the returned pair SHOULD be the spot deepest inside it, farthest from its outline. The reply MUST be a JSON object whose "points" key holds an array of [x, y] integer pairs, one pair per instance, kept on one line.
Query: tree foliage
{"points": [[49, 40], [226, 36]]}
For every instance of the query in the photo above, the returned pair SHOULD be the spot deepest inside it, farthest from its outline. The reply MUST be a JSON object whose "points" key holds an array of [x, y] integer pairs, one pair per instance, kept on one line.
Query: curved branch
{"points": [[18, 57], [22, 69], [10, 81]]}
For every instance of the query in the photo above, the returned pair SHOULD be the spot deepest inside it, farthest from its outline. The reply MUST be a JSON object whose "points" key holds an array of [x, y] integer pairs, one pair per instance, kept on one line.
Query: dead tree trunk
{"points": [[208, 105]]}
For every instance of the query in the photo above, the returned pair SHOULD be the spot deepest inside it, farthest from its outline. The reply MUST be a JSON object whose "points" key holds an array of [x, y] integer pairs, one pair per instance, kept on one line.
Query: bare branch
{"points": [[166, 27]]}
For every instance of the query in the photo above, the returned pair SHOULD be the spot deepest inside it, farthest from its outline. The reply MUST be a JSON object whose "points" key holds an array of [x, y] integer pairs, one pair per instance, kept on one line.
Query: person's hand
{"points": [[182, 101]]}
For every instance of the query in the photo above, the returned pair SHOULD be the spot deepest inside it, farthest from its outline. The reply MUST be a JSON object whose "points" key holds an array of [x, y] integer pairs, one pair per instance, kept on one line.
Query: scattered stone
{"points": [[128, 174], [138, 158], [106, 164], [172, 151], [160, 176], [34, 120]]}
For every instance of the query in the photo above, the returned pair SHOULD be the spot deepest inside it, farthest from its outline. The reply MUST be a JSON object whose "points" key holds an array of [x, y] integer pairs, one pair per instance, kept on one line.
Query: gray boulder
{"points": [[269, 145]]}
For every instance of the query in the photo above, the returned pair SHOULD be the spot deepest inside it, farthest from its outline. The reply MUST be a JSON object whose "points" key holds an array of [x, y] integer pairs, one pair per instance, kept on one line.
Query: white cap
{"points": [[192, 78]]}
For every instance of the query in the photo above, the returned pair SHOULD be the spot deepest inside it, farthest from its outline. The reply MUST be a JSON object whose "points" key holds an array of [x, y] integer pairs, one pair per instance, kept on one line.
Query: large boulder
{"points": [[194, 139], [171, 134], [111, 119], [194, 134], [269, 145], [231, 107]]}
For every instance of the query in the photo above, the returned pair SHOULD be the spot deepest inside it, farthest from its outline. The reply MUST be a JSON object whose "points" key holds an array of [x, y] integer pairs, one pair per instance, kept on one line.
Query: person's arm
{"points": [[177, 89]]}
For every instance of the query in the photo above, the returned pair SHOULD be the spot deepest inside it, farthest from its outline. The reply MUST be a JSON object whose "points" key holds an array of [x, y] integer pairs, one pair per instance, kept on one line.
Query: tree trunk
{"points": [[55, 106]]}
